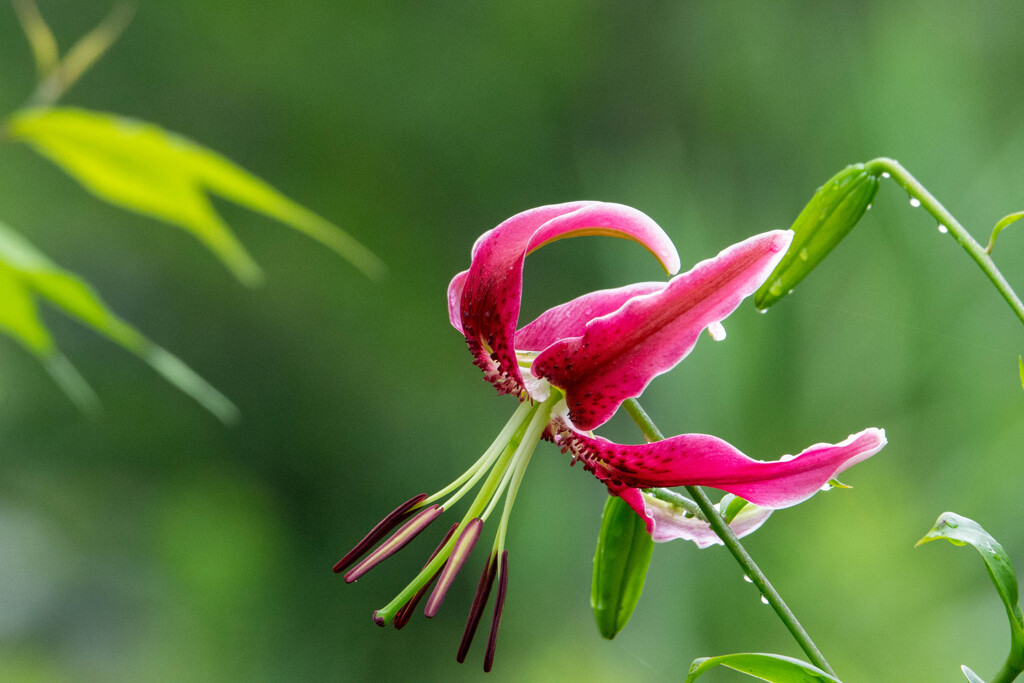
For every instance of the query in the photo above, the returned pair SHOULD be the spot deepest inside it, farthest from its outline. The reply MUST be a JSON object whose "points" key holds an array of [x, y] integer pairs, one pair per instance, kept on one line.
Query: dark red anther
{"points": [[460, 553], [483, 591], [400, 514], [499, 603], [398, 540], [403, 615]]}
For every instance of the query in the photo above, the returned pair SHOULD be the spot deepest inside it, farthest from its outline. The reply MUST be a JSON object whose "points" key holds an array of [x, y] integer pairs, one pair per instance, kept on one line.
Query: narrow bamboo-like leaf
{"points": [[143, 168], [960, 530], [621, 561], [831, 214], [767, 667], [26, 275], [1003, 222], [971, 676]]}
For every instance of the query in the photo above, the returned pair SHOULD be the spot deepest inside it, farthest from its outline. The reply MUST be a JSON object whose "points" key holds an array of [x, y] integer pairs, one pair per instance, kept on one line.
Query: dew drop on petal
{"points": [[915, 202], [717, 331], [764, 600], [943, 229], [747, 579]]}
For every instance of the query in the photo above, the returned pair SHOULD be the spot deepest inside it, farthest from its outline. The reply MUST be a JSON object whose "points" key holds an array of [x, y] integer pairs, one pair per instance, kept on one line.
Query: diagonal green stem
{"points": [[725, 532], [932, 205], [1008, 673]]}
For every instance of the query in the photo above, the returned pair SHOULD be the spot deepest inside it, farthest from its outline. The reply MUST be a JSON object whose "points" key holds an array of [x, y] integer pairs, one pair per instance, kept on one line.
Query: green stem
{"points": [[1008, 673], [944, 217], [725, 532]]}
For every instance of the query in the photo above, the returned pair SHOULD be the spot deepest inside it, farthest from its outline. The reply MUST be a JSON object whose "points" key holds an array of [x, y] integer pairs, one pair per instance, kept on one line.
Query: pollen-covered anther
{"points": [[460, 553], [398, 540], [400, 514]]}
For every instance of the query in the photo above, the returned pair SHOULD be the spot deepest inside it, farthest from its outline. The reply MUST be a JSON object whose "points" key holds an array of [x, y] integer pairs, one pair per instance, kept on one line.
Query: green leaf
{"points": [[831, 214], [143, 168], [621, 561], [767, 667], [971, 676], [960, 530], [26, 275], [1003, 222]]}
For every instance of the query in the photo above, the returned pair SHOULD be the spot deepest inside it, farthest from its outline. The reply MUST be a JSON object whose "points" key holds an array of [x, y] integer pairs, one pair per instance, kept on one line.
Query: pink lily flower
{"points": [[571, 369]]}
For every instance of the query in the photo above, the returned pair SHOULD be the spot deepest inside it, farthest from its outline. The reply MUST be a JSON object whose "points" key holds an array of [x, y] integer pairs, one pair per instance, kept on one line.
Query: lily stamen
{"points": [[483, 592], [404, 614], [400, 514], [399, 540], [460, 553]]}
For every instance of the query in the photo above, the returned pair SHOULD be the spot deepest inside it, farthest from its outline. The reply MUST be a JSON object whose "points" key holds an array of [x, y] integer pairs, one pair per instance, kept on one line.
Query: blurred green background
{"points": [[155, 543]]}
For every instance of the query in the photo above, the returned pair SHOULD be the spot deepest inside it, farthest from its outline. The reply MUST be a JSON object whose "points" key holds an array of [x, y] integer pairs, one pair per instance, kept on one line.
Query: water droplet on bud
{"points": [[885, 174], [804, 255], [943, 229], [764, 600], [915, 202], [747, 579]]}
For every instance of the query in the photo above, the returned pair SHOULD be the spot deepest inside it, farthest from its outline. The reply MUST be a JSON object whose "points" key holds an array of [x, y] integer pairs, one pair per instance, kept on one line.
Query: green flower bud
{"points": [[825, 221], [620, 566]]}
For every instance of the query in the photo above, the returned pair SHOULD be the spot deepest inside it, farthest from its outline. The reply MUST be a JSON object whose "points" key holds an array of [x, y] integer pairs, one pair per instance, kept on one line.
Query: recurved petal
{"points": [[701, 459], [667, 522], [570, 319], [618, 354], [483, 302]]}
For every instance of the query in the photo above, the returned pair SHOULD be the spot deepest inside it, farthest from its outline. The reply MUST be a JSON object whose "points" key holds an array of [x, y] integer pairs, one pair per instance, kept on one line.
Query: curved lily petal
{"points": [[704, 460], [570, 319], [666, 522], [620, 353], [483, 302]]}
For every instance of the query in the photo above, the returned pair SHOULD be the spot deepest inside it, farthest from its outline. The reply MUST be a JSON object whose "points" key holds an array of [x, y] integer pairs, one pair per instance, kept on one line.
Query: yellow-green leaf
{"points": [[143, 168], [768, 667], [26, 276]]}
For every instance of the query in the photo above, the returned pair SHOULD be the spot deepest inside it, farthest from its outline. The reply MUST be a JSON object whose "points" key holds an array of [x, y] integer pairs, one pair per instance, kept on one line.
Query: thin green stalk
{"points": [[1008, 673], [725, 532], [932, 205]]}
